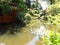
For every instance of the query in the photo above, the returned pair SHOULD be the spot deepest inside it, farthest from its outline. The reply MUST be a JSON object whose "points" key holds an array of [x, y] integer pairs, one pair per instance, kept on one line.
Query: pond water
{"points": [[39, 33], [18, 39], [24, 38]]}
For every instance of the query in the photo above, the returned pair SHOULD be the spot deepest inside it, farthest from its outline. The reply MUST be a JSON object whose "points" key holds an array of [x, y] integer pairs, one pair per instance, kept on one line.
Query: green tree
{"points": [[54, 1]]}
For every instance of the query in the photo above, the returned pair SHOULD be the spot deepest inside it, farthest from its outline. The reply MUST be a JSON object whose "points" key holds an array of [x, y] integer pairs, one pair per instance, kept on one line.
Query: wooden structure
{"points": [[7, 18]]}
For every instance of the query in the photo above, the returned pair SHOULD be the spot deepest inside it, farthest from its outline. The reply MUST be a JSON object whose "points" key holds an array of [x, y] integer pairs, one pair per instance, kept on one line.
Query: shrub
{"points": [[53, 9], [37, 12], [5, 8], [53, 15], [28, 18], [31, 13], [21, 17], [54, 1], [52, 39], [21, 4], [34, 13]]}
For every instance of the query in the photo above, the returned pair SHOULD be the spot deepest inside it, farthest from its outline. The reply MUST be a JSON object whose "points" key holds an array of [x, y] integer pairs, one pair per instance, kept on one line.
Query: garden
{"points": [[29, 22]]}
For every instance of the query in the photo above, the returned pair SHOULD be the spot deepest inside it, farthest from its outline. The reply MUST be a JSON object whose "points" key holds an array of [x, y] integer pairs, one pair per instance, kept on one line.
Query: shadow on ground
{"points": [[10, 27]]}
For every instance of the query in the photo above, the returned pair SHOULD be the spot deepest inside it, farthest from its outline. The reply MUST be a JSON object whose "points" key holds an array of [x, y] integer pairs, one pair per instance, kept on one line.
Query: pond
{"points": [[18, 39], [39, 34], [32, 37]]}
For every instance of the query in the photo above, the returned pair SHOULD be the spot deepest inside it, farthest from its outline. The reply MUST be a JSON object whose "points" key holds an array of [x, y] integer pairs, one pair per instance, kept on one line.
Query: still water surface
{"points": [[24, 38]]}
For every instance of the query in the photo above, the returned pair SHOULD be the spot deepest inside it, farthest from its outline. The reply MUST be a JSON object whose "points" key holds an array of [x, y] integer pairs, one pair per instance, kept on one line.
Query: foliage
{"points": [[53, 15], [57, 1], [54, 1], [1, 5], [34, 13], [53, 9], [28, 18], [33, 6], [15, 1], [20, 4], [52, 39], [21, 15], [5, 7]]}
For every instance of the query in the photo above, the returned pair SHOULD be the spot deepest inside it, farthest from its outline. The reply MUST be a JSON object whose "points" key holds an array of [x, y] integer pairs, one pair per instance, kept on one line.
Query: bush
{"points": [[21, 17], [21, 4], [34, 13], [52, 39], [53, 15], [37, 12], [28, 18], [5, 8], [31, 13], [53, 9]]}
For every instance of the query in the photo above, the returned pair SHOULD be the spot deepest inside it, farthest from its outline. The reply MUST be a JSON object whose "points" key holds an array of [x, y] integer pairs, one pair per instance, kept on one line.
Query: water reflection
{"points": [[39, 33]]}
